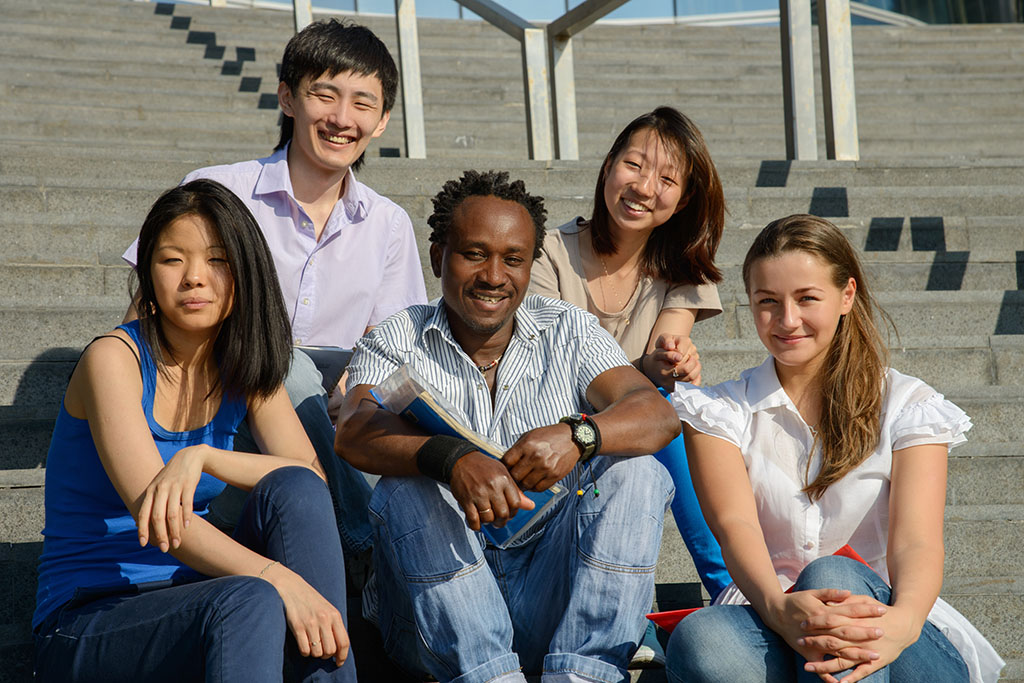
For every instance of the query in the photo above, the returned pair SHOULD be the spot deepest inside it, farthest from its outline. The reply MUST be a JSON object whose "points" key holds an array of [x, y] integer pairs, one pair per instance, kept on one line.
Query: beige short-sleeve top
{"points": [[558, 273]]}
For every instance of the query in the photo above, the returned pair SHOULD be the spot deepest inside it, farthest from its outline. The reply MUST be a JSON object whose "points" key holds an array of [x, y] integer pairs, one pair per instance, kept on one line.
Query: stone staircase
{"points": [[105, 104]]}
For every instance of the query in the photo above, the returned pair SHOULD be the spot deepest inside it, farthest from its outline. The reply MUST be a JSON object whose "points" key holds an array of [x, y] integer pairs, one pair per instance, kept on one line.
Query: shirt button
{"points": [[480, 386], [306, 224], [305, 302], [505, 388], [809, 545]]}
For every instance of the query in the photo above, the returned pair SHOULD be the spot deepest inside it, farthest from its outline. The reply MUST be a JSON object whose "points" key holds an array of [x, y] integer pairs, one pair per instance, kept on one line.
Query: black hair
{"points": [[682, 249], [253, 345], [333, 47], [485, 184]]}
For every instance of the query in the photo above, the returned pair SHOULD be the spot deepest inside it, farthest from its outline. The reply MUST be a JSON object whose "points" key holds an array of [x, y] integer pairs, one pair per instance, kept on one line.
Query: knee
{"points": [[303, 380], [641, 483], [423, 528], [247, 604], [289, 487], [834, 571], [706, 647], [402, 503], [622, 527]]}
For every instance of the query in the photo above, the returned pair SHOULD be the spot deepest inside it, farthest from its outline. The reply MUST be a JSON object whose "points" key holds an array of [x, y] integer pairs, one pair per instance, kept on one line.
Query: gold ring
{"points": [[483, 511]]}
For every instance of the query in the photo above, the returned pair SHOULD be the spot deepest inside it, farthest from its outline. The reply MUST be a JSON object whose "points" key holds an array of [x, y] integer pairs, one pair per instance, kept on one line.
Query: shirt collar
{"points": [[274, 177], [527, 327], [763, 388]]}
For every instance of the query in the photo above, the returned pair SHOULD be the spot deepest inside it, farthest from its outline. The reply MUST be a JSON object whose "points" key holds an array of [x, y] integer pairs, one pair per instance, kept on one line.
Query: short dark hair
{"points": [[682, 249], [253, 346], [333, 47], [483, 184]]}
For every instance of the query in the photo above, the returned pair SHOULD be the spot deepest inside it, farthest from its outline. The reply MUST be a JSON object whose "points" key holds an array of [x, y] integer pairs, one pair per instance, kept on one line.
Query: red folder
{"points": [[668, 620]]}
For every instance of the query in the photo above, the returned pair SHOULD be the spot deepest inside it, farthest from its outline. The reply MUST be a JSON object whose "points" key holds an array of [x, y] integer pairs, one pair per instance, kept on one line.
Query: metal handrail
{"points": [[549, 81]]}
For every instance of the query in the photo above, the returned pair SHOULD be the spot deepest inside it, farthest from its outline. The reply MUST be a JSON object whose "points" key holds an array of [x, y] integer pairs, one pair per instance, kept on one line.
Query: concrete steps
{"points": [[149, 92]]}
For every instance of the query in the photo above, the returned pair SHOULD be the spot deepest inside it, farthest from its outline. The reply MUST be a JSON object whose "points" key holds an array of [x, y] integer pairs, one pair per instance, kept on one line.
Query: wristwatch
{"points": [[585, 434]]}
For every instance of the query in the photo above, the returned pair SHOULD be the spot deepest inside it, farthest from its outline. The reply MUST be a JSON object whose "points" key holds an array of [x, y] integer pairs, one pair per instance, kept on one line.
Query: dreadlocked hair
{"points": [[483, 184]]}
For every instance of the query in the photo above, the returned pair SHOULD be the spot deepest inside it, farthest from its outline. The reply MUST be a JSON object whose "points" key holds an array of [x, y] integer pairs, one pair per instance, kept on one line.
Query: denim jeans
{"points": [[756, 653], [222, 630], [350, 492], [568, 604], [703, 547]]}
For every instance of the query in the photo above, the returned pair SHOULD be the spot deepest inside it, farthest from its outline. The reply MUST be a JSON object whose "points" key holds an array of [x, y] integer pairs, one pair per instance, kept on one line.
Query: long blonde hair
{"points": [[852, 378]]}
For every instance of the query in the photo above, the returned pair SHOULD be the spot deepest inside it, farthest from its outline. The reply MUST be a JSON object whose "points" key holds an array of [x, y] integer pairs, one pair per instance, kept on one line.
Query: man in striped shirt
{"points": [[567, 600]]}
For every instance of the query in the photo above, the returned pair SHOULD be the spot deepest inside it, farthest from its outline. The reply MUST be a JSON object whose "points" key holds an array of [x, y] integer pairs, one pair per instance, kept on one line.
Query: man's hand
{"points": [[486, 491], [541, 457]]}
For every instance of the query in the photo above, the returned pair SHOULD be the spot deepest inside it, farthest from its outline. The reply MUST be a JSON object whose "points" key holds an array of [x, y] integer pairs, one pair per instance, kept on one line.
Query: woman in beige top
{"points": [[643, 263]]}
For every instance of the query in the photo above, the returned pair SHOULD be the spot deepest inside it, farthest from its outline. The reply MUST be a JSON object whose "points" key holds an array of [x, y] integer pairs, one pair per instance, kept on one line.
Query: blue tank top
{"points": [[90, 538]]}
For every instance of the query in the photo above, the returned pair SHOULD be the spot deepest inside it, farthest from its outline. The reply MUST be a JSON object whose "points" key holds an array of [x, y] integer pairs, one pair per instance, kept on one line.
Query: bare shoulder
{"points": [[108, 363]]}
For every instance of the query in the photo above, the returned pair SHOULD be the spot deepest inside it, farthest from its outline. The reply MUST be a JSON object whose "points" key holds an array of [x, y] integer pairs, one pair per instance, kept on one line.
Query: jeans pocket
{"points": [[401, 642], [617, 544]]}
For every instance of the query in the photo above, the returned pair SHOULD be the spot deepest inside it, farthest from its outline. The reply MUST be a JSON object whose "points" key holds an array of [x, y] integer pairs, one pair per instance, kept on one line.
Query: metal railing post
{"points": [[798, 79], [412, 85], [535, 70], [835, 40], [535, 82], [218, 3], [563, 79], [303, 13]]}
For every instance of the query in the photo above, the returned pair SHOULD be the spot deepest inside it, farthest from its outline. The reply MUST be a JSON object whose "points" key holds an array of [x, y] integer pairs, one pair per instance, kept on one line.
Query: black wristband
{"points": [[437, 457]]}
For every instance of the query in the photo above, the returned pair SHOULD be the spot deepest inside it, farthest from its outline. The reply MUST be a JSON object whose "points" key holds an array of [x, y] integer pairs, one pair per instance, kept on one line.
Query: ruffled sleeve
{"points": [[929, 419], [710, 411]]}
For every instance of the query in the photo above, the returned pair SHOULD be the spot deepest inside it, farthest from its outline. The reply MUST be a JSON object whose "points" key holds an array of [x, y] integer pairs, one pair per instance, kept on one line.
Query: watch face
{"points": [[585, 433]]}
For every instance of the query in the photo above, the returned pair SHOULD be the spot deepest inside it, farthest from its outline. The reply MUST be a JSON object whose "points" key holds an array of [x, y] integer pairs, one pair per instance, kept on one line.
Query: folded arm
{"points": [[106, 390]]}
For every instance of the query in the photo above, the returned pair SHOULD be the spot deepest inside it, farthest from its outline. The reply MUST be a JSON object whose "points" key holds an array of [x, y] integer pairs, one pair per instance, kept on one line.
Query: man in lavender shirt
{"points": [[346, 257]]}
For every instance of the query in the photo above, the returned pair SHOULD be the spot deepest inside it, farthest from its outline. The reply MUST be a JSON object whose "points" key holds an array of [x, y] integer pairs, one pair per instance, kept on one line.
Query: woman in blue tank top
{"points": [[134, 583]]}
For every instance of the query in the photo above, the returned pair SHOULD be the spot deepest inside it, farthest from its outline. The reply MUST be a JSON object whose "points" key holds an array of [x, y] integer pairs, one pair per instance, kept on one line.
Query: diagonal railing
{"points": [[549, 80]]}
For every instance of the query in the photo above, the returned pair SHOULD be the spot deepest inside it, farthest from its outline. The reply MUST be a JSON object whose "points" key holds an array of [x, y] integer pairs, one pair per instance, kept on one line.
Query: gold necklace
{"points": [[615, 291]]}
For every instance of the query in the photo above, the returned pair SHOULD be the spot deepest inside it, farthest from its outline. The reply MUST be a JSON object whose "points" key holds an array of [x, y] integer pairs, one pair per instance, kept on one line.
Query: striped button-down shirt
{"points": [[555, 353]]}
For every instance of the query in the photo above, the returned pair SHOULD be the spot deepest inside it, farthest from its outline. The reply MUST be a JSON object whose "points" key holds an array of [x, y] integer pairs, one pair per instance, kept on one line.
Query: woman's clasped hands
{"points": [[674, 359], [837, 631]]}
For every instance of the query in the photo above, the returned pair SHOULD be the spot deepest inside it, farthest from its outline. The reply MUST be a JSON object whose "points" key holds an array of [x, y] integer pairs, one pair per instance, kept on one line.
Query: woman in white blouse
{"points": [[820, 447]]}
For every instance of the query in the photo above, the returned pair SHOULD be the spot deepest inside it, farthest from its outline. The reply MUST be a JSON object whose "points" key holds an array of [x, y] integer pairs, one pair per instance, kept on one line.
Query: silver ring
{"points": [[674, 373], [315, 643]]}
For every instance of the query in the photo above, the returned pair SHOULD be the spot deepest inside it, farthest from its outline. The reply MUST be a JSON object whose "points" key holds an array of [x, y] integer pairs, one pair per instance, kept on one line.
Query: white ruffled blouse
{"points": [[756, 415]]}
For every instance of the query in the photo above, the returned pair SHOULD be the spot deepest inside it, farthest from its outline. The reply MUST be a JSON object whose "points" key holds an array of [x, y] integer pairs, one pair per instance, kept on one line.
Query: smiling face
{"points": [[335, 119], [192, 279], [484, 267], [644, 184], [796, 306]]}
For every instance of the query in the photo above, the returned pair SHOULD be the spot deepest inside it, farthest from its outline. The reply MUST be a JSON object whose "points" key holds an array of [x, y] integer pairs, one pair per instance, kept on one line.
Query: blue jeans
{"points": [[756, 653], [704, 549], [350, 492], [223, 630], [569, 604]]}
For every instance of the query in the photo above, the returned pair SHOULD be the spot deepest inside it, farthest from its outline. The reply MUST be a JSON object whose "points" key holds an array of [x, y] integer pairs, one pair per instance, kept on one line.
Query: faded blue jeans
{"points": [[758, 654], [223, 630], [569, 604], [350, 492]]}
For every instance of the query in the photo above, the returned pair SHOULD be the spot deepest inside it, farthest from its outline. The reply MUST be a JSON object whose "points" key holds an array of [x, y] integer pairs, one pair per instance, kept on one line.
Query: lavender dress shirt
{"points": [[364, 267]]}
